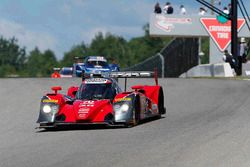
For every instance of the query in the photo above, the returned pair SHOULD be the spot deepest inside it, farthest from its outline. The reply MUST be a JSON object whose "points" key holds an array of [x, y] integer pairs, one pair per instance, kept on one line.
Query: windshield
{"points": [[96, 91], [97, 63]]}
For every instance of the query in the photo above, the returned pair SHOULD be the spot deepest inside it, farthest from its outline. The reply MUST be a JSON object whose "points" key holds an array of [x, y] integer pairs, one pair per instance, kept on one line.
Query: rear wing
{"points": [[134, 74], [125, 74]]}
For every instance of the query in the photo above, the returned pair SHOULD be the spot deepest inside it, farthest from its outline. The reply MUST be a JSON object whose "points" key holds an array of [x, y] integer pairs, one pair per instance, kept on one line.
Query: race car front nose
{"points": [[122, 111], [48, 111]]}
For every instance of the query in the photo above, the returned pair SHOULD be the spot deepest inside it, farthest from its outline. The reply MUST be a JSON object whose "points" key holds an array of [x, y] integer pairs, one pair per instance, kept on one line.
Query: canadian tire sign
{"points": [[220, 33]]}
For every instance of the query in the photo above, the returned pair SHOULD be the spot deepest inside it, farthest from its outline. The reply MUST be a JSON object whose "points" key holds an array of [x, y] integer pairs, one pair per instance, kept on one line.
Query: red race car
{"points": [[101, 101]]}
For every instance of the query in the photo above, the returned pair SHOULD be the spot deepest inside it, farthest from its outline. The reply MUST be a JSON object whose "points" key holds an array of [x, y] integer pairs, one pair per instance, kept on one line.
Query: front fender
{"points": [[50, 102], [120, 104]]}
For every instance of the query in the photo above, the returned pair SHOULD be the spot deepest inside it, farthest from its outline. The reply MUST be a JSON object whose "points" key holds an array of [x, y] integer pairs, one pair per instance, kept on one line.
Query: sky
{"points": [[60, 24]]}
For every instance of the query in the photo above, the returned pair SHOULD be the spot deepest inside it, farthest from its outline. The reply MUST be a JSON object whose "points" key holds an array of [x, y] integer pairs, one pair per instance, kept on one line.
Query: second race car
{"points": [[94, 65]]}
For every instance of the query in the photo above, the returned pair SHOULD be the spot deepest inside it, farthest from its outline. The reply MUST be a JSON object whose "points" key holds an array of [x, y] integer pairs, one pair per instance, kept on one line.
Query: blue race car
{"points": [[94, 65]]}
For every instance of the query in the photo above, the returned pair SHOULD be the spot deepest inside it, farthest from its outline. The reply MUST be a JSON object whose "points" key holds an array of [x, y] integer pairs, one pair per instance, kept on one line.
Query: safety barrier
{"points": [[210, 70], [177, 57]]}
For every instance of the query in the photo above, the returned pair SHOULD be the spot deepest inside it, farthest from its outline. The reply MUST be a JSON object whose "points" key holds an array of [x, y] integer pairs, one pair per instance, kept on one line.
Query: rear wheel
{"points": [[161, 107], [134, 121]]}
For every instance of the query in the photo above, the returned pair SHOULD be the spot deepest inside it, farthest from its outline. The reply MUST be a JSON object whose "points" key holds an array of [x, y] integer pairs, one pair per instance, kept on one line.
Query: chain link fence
{"points": [[177, 57]]}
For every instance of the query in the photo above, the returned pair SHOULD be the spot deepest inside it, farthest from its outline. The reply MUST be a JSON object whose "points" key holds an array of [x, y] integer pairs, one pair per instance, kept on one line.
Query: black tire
{"points": [[161, 107], [135, 115], [109, 119]]}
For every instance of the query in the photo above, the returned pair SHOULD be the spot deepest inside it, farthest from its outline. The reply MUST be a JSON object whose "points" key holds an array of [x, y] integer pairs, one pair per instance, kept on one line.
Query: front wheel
{"points": [[136, 114], [135, 121]]}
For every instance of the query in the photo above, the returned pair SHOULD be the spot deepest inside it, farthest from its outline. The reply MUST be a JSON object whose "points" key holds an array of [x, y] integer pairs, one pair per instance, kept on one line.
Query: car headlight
{"points": [[50, 109], [121, 108], [46, 109], [124, 107]]}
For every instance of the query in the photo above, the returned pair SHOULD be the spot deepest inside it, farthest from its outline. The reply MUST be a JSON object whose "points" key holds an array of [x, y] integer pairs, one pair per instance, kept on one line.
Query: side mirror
{"points": [[72, 91], [56, 89]]}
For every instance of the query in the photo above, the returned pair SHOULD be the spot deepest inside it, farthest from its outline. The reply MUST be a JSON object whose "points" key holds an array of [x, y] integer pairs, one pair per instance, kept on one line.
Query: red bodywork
{"points": [[82, 111], [55, 74], [87, 111], [146, 101], [94, 111]]}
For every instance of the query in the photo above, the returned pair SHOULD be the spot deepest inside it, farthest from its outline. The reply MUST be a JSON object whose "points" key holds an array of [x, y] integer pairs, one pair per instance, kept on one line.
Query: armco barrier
{"points": [[177, 57]]}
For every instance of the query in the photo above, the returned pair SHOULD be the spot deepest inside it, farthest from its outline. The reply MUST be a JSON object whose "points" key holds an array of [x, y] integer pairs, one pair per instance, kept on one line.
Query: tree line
{"points": [[16, 62]]}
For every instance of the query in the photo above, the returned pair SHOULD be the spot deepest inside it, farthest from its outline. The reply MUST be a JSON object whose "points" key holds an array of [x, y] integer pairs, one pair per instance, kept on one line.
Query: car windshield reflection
{"points": [[95, 91], [97, 63]]}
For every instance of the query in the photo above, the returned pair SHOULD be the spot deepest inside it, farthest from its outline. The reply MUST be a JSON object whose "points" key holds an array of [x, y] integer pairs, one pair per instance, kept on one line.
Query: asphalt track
{"points": [[207, 124]]}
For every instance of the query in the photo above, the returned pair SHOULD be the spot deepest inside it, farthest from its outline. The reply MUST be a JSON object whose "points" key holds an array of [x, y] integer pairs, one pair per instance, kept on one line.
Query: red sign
{"points": [[220, 33]]}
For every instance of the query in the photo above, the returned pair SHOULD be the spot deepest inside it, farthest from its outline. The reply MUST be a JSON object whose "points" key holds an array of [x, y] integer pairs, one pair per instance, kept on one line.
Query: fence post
{"points": [[162, 65]]}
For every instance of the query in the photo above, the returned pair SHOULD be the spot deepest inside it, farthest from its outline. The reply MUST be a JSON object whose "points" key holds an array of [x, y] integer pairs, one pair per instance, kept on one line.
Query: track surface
{"points": [[207, 124]]}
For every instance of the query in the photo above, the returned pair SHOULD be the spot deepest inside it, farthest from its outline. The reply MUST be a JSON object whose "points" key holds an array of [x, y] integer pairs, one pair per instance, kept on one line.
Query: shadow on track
{"points": [[95, 127]]}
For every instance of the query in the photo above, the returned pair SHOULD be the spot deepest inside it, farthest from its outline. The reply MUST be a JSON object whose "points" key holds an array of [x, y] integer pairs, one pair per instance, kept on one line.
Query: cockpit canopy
{"points": [[98, 88], [94, 61]]}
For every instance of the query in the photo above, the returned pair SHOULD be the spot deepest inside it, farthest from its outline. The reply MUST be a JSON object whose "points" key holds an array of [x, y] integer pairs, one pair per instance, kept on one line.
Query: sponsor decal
{"points": [[174, 20], [50, 101], [98, 58], [123, 99], [83, 110], [87, 104], [168, 24], [220, 33], [96, 80], [82, 115], [130, 74]]}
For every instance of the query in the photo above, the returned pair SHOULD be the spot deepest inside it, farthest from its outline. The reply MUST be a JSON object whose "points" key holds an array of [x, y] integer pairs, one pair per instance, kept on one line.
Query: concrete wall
{"points": [[210, 70], [246, 69]]}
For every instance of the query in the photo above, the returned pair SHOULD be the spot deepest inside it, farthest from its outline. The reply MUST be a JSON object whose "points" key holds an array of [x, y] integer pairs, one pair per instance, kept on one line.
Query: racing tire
{"points": [[109, 119], [161, 107], [136, 114]]}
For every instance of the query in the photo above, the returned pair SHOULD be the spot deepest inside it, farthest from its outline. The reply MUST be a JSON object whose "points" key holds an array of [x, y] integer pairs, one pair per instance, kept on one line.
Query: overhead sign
{"points": [[220, 33]]}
